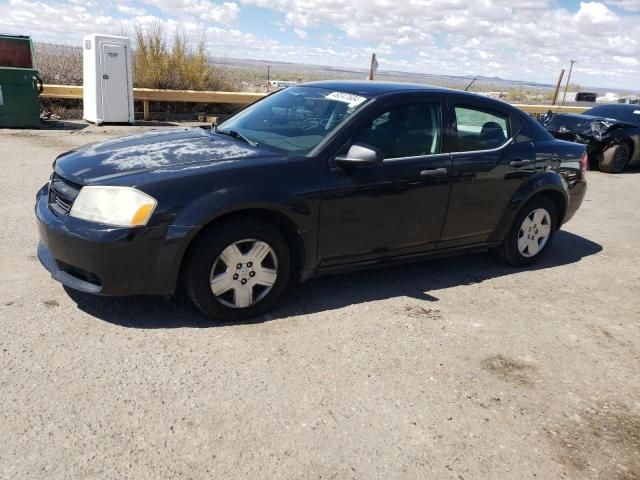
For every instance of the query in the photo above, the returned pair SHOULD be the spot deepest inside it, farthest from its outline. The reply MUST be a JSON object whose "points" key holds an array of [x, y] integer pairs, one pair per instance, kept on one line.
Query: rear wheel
{"points": [[614, 159], [531, 233], [238, 270]]}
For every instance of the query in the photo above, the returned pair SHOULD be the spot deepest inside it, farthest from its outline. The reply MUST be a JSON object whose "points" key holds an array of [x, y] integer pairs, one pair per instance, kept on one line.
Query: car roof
{"points": [[373, 88], [619, 111], [370, 88], [621, 107]]}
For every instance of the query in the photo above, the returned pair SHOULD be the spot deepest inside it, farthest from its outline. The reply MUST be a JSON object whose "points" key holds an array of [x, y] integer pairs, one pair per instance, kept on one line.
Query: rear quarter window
{"points": [[480, 129]]}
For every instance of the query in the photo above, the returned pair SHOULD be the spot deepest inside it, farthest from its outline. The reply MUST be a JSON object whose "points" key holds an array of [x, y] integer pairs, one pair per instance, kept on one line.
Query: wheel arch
{"points": [[277, 219], [559, 202], [548, 184]]}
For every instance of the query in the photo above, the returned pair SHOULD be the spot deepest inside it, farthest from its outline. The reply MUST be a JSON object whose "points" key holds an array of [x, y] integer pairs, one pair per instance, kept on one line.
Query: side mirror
{"points": [[360, 154]]}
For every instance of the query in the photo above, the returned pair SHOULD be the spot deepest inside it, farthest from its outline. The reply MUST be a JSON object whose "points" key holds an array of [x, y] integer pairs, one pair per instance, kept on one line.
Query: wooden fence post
{"points": [[147, 113]]}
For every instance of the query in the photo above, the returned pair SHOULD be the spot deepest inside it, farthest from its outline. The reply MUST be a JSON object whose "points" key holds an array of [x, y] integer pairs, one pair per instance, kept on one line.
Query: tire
{"points": [[229, 258], [527, 230], [614, 159]]}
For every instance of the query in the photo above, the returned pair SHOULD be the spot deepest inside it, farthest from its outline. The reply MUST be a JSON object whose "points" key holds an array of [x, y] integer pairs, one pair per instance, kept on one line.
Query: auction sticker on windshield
{"points": [[348, 98]]}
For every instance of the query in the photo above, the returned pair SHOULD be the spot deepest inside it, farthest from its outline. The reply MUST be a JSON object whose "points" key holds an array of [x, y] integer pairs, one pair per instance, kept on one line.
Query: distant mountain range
{"points": [[308, 72]]}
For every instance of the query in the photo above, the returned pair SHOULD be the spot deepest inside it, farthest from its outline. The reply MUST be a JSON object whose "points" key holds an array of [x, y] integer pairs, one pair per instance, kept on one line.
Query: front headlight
{"points": [[117, 206], [599, 128]]}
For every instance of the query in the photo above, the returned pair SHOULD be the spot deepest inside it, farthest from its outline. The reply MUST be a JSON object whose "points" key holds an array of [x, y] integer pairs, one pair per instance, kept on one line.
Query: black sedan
{"points": [[318, 178], [610, 132]]}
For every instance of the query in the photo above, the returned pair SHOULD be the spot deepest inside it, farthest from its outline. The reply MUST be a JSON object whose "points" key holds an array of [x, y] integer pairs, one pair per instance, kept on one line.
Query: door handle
{"points": [[520, 163], [433, 172]]}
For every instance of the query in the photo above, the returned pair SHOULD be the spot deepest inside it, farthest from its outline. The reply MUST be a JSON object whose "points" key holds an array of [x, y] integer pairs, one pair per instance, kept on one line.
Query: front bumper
{"points": [[106, 260]]}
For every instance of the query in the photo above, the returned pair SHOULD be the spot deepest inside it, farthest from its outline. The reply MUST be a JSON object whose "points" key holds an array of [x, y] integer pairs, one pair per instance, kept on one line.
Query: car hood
{"points": [[166, 149], [582, 125]]}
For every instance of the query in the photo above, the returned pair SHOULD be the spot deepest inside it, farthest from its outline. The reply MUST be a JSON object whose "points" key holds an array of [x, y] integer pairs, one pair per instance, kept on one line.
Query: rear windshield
{"points": [[625, 113]]}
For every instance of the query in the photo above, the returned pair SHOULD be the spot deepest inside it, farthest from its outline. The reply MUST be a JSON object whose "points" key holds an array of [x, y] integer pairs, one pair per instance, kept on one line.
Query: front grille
{"points": [[62, 194]]}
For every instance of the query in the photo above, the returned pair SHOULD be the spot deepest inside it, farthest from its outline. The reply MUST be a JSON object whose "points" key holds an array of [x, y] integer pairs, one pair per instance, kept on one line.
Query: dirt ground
{"points": [[452, 369]]}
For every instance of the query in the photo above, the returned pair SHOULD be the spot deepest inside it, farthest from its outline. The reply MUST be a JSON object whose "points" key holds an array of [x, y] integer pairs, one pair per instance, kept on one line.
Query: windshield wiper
{"points": [[238, 135]]}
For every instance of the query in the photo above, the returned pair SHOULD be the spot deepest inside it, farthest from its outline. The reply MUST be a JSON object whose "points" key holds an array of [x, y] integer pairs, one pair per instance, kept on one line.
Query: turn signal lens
{"points": [[142, 215]]}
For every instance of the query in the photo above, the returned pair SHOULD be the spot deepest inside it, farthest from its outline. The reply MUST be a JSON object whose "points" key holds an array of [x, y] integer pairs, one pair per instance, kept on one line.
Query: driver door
{"points": [[394, 208]]}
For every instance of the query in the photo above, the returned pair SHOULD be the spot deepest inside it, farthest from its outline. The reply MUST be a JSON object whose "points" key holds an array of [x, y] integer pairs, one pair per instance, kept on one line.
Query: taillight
{"points": [[584, 163]]}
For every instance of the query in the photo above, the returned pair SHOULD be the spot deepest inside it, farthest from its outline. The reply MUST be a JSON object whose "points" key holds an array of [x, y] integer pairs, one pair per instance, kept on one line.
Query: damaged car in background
{"points": [[610, 132]]}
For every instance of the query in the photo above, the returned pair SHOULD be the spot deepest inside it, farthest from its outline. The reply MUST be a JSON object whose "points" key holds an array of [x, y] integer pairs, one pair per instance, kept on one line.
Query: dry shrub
{"points": [[175, 67], [517, 95], [59, 64], [157, 63]]}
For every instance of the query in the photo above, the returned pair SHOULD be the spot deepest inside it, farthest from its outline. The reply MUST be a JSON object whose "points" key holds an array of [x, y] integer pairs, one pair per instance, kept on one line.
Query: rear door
{"points": [[394, 208], [491, 158], [115, 100]]}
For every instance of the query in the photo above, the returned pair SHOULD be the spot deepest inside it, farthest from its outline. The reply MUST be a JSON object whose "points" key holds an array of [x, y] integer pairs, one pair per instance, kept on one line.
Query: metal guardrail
{"points": [[147, 95], [553, 108]]}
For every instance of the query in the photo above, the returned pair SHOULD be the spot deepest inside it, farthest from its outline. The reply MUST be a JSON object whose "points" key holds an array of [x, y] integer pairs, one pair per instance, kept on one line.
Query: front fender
{"points": [[222, 201], [299, 212], [542, 182]]}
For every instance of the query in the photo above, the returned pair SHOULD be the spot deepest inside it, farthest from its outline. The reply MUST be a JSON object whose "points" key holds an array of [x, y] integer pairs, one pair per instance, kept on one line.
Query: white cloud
{"points": [[515, 35], [300, 33], [131, 11], [206, 10], [629, 61], [594, 14], [384, 49], [519, 39], [629, 5]]}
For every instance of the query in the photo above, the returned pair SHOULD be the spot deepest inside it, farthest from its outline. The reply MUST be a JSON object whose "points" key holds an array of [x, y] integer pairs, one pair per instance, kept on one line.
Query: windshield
{"points": [[295, 119]]}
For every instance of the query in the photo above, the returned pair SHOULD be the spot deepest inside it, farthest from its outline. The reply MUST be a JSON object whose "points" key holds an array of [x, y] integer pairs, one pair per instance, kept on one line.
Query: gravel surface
{"points": [[461, 368]]}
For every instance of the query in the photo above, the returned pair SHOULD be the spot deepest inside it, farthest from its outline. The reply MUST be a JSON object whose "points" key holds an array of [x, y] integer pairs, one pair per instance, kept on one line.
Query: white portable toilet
{"points": [[107, 79]]}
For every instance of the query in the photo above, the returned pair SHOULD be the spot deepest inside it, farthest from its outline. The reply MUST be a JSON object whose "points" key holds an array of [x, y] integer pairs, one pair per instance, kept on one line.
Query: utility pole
{"points": [[557, 90], [466, 89], [268, 77], [374, 66], [566, 87]]}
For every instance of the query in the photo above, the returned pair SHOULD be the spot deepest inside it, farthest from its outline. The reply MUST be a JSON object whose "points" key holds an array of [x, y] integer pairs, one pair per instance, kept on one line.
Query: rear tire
{"points": [[614, 159], [237, 270], [531, 233]]}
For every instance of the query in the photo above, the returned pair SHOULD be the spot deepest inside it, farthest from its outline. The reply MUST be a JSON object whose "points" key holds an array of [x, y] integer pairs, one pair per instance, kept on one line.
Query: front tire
{"points": [[237, 270], [531, 233], [614, 159]]}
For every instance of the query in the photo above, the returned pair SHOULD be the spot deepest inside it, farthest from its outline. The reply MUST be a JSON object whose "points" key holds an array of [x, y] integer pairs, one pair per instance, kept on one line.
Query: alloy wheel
{"points": [[534, 232], [621, 157], [244, 273]]}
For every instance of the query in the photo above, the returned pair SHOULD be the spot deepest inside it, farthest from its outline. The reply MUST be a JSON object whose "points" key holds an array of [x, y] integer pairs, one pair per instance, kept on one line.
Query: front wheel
{"points": [[614, 159], [238, 270], [531, 233]]}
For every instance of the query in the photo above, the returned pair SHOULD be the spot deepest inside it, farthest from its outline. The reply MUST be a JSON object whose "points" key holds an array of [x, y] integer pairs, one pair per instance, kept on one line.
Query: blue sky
{"points": [[517, 39]]}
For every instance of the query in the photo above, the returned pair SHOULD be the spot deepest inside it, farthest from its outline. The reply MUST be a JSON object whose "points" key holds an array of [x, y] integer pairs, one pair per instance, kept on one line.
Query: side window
{"points": [[405, 131], [480, 129]]}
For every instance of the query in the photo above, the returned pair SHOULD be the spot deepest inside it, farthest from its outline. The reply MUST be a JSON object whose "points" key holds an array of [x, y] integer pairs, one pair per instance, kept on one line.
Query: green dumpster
{"points": [[19, 83]]}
